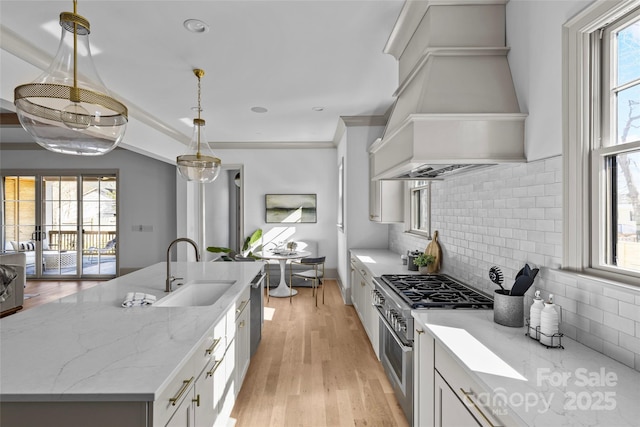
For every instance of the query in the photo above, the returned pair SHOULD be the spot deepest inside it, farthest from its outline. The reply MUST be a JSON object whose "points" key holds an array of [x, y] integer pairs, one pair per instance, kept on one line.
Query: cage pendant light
{"points": [[200, 165], [68, 109]]}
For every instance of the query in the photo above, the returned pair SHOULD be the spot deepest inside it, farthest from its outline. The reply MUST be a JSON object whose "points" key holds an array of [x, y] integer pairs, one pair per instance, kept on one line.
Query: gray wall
{"points": [[147, 196]]}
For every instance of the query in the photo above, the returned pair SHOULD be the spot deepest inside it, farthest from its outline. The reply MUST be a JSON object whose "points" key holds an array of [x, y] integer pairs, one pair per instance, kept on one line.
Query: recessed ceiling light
{"points": [[196, 26], [259, 109], [318, 108]]}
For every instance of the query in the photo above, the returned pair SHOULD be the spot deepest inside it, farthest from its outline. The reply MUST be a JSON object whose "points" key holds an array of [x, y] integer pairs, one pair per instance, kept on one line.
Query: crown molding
{"points": [[252, 145]]}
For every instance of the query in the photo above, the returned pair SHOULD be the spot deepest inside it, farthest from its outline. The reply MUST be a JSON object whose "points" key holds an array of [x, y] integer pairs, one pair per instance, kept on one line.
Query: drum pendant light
{"points": [[67, 109], [200, 165]]}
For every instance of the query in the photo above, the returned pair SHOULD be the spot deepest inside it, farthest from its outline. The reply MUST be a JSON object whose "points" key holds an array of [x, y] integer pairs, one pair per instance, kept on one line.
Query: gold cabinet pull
{"points": [[469, 394], [242, 306], [215, 367], [420, 331], [185, 386], [241, 325], [213, 346], [196, 400]]}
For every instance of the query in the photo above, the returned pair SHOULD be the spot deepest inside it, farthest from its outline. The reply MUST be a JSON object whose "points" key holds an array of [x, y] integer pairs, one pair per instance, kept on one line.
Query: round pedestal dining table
{"points": [[283, 289]]}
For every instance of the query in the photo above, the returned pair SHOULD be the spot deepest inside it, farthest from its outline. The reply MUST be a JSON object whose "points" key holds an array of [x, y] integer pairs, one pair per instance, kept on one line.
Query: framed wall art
{"points": [[290, 208]]}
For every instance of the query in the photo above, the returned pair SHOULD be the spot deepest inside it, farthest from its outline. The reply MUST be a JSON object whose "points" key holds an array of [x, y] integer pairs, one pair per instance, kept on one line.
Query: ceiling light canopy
{"points": [[200, 165], [68, 109]]}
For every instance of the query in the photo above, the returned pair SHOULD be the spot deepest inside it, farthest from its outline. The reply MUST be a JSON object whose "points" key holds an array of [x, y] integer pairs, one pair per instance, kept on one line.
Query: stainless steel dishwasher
{"points": [[256, 317]]}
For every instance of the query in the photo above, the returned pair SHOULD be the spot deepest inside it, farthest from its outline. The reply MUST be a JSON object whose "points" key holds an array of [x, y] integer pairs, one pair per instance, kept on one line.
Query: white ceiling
{"points": [[285, 56]]}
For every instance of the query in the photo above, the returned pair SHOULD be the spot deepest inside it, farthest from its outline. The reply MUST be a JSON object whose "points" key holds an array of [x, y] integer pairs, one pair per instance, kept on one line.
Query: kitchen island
{"points": [[87, 355]]}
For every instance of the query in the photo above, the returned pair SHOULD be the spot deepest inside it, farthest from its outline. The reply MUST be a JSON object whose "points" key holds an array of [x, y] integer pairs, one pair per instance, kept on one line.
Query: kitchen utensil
{"points": [[496, 276], [524, 280], [433, 248]]}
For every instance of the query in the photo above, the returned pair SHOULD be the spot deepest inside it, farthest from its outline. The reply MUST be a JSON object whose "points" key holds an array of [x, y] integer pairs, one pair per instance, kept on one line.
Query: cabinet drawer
{"points": [[214, 340], [242, 301], [359, 266], [479, 401], [170, 398], [241, 304]]}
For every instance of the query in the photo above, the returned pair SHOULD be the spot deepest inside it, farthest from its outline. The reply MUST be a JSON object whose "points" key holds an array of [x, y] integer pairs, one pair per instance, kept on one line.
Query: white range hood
{"points": [[456, 107]]}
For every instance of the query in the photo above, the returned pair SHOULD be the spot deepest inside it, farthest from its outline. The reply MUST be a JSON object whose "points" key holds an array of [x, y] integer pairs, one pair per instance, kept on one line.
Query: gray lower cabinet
{"points": [[449, 410], [445, 394]]}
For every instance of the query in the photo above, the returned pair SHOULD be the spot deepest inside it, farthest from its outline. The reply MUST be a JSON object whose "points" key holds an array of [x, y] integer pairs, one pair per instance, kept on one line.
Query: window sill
{"points": [[417, 233]]}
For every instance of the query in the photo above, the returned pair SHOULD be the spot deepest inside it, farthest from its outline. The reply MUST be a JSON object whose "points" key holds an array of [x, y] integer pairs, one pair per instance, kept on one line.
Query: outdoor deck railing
{"points": [[67, 241]]}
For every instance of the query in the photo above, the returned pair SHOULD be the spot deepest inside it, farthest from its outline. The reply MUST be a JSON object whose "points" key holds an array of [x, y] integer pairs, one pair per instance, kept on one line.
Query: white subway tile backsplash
{"points": [[509, 215], [620, 354], [591, 340], [620, 295], [630, 310], [604, 303], [579, 295], [590, 312], [630, 342], [622, 324], [605, 332]]}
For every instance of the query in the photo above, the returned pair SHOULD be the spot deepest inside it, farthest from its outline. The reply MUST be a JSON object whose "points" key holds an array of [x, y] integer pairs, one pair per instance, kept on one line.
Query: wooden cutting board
{"points": [[433, 248]]}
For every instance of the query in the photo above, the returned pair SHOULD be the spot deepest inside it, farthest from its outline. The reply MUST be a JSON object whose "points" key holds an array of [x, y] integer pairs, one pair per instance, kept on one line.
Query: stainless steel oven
{"points": [[394, 297], [396, 357]]}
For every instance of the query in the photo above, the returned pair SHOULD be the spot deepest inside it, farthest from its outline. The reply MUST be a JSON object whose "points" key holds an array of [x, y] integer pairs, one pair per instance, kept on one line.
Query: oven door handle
{"points": [[405, 348]]}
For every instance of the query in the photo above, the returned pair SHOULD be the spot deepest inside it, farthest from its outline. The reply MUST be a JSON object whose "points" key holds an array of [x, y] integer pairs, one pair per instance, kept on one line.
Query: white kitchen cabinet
{"points": [[183, 415], [362, 299], [423, 377], [242, 339], [386, 199], [445, 394], [449, 410], [204, 390]]}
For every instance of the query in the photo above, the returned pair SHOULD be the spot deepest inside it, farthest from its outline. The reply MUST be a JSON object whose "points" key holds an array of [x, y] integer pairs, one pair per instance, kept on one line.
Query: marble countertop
{"points": [[574, 386], [381, 261], [87, 347]]}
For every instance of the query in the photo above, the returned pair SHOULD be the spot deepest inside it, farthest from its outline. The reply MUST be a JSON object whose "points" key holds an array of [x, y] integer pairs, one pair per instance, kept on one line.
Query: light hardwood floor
{"points": [[315, 367]]}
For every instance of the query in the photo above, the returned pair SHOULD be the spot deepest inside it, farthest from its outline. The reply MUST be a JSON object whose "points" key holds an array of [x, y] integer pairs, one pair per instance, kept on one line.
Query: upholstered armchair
{"points": [[12, 292]]}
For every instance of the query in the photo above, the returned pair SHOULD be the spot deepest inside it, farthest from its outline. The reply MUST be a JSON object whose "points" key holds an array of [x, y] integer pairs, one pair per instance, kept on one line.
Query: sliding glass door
{"points": [[99, 215], [65, 223]]}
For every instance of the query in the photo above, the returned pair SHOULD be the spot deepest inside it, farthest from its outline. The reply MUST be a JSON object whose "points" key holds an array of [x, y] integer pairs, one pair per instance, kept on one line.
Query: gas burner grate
{"points": [[436, 291]]}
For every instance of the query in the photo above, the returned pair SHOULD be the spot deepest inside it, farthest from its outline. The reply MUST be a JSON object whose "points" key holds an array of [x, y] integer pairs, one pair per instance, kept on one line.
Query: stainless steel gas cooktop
{"points": [[435, 291]]}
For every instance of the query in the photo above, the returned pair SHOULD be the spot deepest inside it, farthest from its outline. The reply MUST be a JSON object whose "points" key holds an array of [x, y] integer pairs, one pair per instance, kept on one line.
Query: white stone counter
{"points": [[87, 347], [574, 386], [381, 261]]}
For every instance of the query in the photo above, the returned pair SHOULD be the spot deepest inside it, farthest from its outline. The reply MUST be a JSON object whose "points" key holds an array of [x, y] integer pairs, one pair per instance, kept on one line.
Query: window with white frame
{"points": [[420, 208], [602, 142]]}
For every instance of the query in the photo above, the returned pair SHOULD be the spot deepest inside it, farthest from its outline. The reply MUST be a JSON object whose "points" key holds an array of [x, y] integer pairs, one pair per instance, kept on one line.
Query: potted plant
{"points": [[248, 248], [423, 261]]}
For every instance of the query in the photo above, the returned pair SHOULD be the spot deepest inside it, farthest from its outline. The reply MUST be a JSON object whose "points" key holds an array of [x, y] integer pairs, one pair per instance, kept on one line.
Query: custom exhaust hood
{"points": [[456, 106]]}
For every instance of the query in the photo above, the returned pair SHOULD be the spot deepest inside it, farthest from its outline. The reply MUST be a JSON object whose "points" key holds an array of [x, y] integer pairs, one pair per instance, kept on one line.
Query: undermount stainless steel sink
{"points": [[196, 293]]}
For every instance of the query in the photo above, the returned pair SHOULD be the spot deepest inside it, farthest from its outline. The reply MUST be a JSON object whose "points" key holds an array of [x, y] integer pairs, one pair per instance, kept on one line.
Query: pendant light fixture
{"points": [[200, 165], [67, 109]]}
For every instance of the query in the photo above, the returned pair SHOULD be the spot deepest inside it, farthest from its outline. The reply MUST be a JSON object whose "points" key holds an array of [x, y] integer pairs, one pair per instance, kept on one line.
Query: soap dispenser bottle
{"points": [[534, 316], [549, 322]]}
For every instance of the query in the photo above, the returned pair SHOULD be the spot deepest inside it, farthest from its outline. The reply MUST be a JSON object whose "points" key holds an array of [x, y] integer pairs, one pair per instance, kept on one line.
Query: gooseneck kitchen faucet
{"points": [[170, 278]]}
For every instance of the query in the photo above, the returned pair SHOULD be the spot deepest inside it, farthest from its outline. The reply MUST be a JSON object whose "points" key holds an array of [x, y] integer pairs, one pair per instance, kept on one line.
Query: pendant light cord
{"points": [[75, 95], [199, 122]]}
